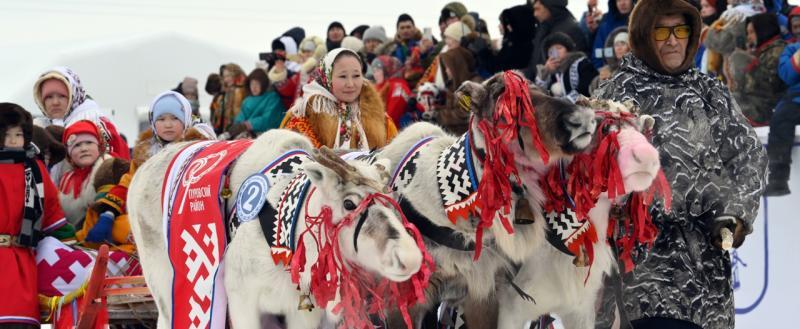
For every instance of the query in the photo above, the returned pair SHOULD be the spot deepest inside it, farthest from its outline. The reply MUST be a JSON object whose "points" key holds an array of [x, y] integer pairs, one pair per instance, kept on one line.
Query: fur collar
{"points": [[75, 209], [146, 146]]}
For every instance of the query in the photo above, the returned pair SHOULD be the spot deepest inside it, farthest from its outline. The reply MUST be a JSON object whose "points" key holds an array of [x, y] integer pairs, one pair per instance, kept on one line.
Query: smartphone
{"points": [[427, 33], [552, 53]]}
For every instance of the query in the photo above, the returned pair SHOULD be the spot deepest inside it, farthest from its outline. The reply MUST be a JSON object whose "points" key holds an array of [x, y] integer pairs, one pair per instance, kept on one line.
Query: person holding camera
{"points": [[566, 73]]}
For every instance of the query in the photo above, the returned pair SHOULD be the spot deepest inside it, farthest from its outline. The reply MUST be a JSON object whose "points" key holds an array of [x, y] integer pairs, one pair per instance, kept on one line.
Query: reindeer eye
{"points": [[349, 205]]}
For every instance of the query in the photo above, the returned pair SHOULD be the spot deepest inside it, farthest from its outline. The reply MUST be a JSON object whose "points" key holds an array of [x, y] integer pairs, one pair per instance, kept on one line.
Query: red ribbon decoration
{"points": [[513, 111], [597, 171], [332, 273]]}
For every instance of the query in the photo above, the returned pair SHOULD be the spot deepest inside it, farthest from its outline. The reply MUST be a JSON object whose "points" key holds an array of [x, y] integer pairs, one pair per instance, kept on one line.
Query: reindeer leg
{"points": [[304, 320], [480, 314]]}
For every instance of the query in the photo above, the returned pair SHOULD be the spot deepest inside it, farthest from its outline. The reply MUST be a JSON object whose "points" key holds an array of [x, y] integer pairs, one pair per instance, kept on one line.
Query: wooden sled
{"points": [[126, 299]]}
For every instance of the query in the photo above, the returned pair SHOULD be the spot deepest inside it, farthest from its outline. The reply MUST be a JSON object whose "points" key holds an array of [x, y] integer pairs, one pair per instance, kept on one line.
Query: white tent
{"points": [[125, 75]]}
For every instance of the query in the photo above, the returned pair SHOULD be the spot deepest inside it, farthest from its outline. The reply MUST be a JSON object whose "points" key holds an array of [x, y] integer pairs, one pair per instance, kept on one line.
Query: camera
{"points": [[271, 58]]}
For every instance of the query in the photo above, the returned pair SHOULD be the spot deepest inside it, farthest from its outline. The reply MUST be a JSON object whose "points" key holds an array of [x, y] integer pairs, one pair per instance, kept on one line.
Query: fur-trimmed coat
{"points": [[75, 208], [146, 146], [321, 128]]}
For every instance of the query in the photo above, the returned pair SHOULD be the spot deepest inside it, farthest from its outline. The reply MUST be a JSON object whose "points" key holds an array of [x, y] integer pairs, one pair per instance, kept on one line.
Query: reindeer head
{"points": [[564, 127], [376, 239], [638, 159]]}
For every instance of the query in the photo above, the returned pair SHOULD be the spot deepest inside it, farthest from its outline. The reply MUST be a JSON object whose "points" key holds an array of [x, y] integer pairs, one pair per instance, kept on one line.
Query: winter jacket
{"points": [[789, 67], [395, 94], [612, 20], [517, 46], [571, 79], [262, 112], [716, 166], [561, 21], [757, 86]]}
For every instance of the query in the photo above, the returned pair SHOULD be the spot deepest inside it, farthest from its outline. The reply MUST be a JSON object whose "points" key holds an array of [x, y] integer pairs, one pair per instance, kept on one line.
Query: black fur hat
{"points": [[12, 115]]}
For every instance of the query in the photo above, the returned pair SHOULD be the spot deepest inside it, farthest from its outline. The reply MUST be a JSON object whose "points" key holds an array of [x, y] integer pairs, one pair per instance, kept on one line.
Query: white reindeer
{"points": [[459, 279], [255, 285], [551, 276]]}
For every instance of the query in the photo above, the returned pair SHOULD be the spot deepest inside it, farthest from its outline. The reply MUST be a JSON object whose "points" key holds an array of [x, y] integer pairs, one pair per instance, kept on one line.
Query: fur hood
{"points": [[373, 118], [75, 208], [643, 21], [147, 145]]}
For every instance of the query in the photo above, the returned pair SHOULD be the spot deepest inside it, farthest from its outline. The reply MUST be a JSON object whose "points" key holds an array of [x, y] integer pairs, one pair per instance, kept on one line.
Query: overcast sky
{"points": [[248, 25]]}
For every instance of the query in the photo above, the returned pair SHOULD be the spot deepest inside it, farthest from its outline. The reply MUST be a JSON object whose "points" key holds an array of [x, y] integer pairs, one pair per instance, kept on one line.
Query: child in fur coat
{"points": [[22, 224], [86, 151], [171, 120]]}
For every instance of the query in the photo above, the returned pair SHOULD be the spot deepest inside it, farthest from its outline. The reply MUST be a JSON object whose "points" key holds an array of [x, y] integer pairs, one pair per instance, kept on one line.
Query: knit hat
{"points": [[82, 131], [308, 45], [358, 32], [375, 33], [453, 9], [335, 24], [554, 3], [621, 37], [173, 103], [352, 43], [457, 31], [404, 18], [766, 27], [13, 115], [391, 66], [642, 22], [558, 38]]}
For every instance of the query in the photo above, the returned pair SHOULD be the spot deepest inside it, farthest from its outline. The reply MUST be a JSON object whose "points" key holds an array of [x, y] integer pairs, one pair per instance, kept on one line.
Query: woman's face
{"points": [[347, 80], [85, 154], [706, 9], [620, 49], [452, 43], [227, 78], [377, 73], [255, 87], [168, 127]]}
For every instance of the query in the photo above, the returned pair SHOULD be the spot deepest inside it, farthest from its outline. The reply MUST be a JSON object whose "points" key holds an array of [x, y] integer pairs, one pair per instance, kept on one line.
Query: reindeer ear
{"points": [[383, 165], [471, 96], [322, 177], [647, 122]]}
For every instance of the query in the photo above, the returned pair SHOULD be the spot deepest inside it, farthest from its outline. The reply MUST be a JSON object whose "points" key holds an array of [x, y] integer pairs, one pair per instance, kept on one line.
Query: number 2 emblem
{"points": [[251, 197]]}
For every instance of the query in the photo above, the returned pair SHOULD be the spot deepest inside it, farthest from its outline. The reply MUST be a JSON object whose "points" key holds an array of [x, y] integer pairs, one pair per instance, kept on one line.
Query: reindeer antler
{"points": [[326, 157]]}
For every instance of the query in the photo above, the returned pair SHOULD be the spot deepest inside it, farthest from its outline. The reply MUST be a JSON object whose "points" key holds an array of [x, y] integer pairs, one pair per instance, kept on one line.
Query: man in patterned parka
{"points": [[713, 161]]}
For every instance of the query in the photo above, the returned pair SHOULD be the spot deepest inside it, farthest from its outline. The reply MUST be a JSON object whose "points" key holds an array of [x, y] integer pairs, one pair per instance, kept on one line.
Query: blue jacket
{"points": [[611, 20], [788, 70], [264, 112]]}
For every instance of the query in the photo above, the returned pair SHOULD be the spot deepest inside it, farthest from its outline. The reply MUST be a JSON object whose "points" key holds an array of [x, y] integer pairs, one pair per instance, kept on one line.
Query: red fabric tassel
{"points": [[331, 274], [513, 111]]}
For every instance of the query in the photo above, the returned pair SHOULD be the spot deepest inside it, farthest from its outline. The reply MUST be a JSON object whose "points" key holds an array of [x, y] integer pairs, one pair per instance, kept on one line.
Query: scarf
{"points": [[31, 230], [73, 181]]}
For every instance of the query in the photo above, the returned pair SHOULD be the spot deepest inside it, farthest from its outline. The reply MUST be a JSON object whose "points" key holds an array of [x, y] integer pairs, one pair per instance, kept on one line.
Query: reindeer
{"points": [[460, 277], [562, 283], [366, 232]]}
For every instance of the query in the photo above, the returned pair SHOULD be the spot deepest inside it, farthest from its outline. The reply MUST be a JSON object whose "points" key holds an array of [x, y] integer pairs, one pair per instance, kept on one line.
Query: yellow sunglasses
{"points": [[662, 33]]}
